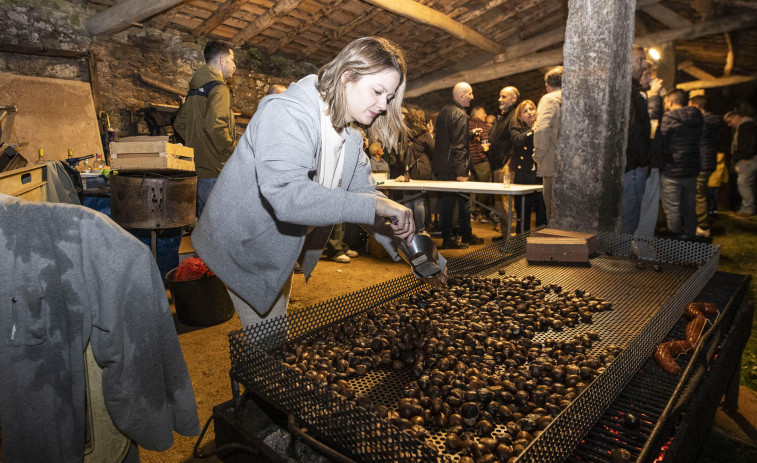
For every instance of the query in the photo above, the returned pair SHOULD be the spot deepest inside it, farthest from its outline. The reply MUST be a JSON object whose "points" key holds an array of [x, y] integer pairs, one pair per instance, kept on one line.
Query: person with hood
{"points": [[681, 132], [205, 120], [298, 170]]}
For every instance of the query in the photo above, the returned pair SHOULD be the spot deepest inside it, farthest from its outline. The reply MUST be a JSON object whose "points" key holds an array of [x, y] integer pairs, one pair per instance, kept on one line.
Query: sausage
{"points": [[665, 355], [693, 311], [694, 330], [709, 308]]}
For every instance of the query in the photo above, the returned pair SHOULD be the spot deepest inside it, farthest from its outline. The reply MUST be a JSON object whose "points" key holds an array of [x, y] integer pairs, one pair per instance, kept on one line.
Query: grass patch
{"points": [[738, 240]]}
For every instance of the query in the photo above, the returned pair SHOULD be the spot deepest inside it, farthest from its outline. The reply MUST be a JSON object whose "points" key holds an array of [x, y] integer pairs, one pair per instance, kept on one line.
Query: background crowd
{"points": [[676, 156]]}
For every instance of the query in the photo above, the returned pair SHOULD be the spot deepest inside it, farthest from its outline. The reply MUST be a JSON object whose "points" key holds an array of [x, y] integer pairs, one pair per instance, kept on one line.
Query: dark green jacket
{"points": [[207, 124]]}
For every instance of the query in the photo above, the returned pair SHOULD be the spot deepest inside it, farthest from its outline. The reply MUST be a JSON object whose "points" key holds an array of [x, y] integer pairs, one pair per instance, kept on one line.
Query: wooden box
{"points": [[150, 154], [29, 183], [549, 249], [590, 238]]}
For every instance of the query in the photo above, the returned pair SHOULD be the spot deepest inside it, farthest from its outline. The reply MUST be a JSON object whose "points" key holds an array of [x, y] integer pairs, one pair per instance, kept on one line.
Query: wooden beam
{"points": [[717, 82], [431, 17], [666, 16], [307, 24], [689, 68], [162, 86], [264, 21], [492, 70], [489, 71], [160, 21], [716, 26], [744, 4], [224, 12], [121, 15], [729, 56]]}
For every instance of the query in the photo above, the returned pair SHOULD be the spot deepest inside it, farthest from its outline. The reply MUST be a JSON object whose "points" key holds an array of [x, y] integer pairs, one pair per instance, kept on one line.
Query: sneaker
{"points": [[703, 233], [454, 245], [474, 240], [351, 254], [341, 258], [484, 219]]}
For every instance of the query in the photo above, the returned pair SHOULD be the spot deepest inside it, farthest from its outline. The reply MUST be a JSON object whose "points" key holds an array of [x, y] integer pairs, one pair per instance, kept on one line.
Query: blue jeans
{"points": [[634, 183], [204, 187], [678, 197], [650, 205], [418, 206]]}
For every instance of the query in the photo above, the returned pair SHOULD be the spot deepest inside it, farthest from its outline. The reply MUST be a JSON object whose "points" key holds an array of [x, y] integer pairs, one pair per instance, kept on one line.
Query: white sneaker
{"points": [[703, 233], [341, 258], [352, 254]]}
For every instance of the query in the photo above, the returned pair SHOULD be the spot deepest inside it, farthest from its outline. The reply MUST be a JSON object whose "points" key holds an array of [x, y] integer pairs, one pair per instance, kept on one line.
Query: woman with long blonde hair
{"points": [[298, 170]]}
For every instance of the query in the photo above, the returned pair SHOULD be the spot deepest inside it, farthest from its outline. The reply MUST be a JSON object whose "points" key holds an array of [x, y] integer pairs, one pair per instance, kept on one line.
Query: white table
{"points": [[466, 189]]}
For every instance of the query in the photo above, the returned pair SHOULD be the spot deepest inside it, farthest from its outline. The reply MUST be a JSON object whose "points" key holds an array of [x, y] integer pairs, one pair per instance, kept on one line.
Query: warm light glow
{"points": [[654, 54]]}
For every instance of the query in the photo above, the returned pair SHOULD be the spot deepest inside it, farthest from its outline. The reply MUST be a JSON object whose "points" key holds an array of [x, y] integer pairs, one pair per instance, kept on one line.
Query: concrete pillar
{"points": [[596, 97]]}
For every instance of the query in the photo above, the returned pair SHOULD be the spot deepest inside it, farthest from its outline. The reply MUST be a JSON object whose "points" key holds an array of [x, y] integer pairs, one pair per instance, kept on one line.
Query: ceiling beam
{"points": [[160, 21], [264, 21], [123, 14], [222, 13], [717, 82], [493, 70], [689, 68], [666, 16], [431, 17], [728, 68]]}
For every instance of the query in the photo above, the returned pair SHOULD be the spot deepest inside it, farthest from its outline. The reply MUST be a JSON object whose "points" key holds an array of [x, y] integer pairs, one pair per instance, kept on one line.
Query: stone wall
{"points": [[169, 57]]}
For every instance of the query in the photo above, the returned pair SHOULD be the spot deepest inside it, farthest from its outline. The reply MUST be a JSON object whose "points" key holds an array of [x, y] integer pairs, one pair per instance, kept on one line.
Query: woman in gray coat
{"points": [[299, 169]]}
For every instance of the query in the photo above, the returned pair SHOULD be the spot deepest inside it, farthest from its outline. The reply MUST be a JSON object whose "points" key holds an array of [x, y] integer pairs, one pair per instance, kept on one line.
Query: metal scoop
{"points": [[422, 255]]}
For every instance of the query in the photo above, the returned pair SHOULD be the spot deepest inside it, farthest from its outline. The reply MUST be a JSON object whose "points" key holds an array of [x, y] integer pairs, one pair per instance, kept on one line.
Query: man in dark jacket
{"points": [[450, 162], [500, 147], [708, 154], [744, 157], [205, 121], [637, 150], [681, 132]]}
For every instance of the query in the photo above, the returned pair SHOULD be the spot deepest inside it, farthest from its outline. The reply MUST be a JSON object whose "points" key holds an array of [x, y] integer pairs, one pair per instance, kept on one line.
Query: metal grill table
{"points": [[646, 305]]}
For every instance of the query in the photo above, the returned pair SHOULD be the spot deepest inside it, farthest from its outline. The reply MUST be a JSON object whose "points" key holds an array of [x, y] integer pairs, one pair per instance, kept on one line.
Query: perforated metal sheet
{"points": [[646, 305]]}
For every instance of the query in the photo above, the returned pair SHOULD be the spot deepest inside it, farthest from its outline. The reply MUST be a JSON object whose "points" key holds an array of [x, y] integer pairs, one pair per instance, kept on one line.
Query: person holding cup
{"points": [[481, 170], [522, 166]]}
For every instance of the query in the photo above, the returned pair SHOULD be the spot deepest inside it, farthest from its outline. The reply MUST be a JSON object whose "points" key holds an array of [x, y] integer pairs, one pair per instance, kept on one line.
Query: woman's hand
{"points": [[400, 218], [440, 279]]}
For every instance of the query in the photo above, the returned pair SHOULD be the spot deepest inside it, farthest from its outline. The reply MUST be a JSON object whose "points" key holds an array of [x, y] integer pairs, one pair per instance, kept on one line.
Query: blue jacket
{"points": [[681, 131]]}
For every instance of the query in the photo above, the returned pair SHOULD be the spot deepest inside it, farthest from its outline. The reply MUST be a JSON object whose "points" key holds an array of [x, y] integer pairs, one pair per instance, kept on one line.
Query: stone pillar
{"points": [[596, 97]]}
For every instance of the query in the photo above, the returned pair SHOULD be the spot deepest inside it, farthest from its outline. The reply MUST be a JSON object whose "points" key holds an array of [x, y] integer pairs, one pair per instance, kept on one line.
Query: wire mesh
{"points": [[646, 302]]}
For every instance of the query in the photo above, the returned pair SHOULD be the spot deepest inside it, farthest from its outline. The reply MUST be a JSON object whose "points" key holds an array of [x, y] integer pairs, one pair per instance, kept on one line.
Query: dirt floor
{"points": [[206, 350]]}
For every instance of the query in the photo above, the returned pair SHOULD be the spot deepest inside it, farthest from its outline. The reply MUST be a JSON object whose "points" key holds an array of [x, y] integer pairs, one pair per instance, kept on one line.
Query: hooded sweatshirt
{"points": [[206, 123], [681, 131]]}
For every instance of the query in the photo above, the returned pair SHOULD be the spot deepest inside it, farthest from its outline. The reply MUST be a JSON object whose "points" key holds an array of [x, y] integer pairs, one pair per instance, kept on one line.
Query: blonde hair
{"points": [[364, 56], [522, 107]]}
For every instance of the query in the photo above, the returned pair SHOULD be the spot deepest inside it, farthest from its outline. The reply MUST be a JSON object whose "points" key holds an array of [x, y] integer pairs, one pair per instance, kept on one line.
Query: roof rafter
{"points": [[221, 14], [264, 21]]}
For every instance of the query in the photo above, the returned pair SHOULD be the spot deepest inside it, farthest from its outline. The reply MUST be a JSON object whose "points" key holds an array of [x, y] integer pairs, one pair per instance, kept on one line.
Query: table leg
{"points": [[509, 215]]}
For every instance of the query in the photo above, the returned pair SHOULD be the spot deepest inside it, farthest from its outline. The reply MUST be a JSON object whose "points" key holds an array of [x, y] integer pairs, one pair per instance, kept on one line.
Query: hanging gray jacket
{"points": [[58, 292], [256, 221]]}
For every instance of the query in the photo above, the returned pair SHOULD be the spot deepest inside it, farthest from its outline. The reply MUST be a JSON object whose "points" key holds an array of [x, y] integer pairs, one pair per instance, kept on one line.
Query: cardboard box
{"points": [[150, 154]]}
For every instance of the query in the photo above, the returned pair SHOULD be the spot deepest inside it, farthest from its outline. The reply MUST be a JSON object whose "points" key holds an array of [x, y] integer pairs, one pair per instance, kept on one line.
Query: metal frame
{"points": [[687, 266]]}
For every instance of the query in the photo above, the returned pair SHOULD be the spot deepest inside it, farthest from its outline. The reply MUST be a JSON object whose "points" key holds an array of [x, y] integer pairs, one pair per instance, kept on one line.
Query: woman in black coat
{"points": [[418, 149], [522, 164]]}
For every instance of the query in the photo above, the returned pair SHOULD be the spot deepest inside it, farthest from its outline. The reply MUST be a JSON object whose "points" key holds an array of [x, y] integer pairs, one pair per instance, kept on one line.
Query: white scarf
{"points": [[331, 159]]}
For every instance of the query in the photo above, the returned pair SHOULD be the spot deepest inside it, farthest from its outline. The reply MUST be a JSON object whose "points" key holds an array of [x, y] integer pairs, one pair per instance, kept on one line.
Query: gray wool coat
{"points": [[255, 224]]}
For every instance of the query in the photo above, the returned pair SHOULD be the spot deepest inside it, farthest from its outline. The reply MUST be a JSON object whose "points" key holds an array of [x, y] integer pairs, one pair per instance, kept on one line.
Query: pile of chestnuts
{"points": [[478, 376]]}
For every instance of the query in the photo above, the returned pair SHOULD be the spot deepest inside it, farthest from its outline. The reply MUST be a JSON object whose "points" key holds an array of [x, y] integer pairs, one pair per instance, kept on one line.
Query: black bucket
{"points": [[200, 302]]}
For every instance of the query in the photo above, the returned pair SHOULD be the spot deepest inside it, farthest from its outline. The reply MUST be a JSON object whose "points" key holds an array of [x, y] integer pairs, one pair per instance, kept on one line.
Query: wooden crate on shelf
{"points": [[29, 183], [150, 154]]}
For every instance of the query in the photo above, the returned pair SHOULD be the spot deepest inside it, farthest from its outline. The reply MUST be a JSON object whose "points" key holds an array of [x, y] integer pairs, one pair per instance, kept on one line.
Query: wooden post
{"points": [[596, 97]]}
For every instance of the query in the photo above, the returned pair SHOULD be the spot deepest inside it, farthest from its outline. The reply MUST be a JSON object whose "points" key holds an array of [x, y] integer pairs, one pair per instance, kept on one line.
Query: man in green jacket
{"points": [[206, 121]]}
